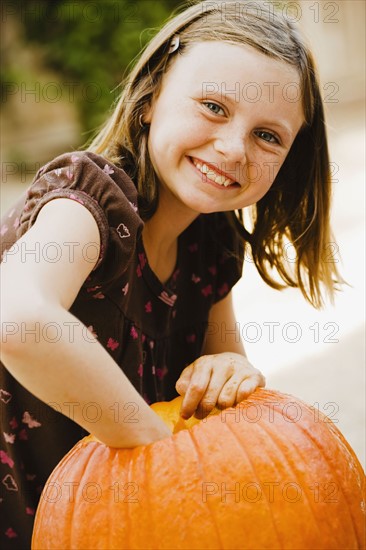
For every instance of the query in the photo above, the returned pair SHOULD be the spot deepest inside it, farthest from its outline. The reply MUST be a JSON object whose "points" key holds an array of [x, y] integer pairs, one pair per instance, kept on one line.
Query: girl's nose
{"points": [[230, 143]]}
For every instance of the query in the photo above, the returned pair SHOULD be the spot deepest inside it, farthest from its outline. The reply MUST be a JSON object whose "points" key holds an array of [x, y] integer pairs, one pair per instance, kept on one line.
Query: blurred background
{"points": [[62, 62]]}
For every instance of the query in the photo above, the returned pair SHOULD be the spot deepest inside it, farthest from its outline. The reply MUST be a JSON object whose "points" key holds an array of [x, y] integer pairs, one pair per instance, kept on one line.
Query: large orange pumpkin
{"points": [[270, 473]]}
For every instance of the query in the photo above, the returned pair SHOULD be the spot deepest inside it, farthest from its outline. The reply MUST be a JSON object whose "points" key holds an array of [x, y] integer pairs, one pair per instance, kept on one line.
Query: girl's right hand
{"points": [[220, 380]]}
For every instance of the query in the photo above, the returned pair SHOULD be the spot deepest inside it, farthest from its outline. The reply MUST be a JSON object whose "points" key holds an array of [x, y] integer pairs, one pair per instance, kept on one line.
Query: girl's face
{"points": [[221, 126]]}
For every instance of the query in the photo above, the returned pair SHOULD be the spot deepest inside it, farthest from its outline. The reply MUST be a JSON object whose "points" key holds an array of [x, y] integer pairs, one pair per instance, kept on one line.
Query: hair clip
{"points": [[174, 44]]}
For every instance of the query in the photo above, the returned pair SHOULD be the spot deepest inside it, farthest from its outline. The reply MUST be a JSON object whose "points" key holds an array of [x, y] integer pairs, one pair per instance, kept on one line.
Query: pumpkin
{"points": [[270, 473]]}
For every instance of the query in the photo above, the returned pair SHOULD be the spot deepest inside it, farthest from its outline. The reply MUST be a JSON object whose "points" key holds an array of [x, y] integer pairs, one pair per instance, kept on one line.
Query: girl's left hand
{"points": [[221, 380]]}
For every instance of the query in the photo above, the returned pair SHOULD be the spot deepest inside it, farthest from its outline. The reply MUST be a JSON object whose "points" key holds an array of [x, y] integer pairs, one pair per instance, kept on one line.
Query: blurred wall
{"points": [[336, 32]]}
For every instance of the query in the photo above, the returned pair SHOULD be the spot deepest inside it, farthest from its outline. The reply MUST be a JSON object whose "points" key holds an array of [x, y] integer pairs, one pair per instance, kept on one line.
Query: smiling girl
{"points": [[221, 112]]}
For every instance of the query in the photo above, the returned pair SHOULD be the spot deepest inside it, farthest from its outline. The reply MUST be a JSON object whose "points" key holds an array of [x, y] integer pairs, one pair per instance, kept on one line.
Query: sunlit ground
{"points": [[319, 356]]}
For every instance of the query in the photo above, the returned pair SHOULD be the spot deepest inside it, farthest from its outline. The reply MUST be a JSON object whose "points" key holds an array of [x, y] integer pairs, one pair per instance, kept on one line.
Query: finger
{"points": [[228, 395], [249, 385], [209, 400], [198, 383], [184, 379]]}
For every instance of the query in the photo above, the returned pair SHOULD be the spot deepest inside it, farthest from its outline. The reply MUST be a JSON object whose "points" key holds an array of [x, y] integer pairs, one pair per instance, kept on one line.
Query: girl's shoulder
{"points": [[86, 171], [100, 186]]}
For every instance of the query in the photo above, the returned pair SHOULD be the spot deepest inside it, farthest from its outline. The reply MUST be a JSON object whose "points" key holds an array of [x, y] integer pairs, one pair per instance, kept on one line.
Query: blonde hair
{"points": [[296, 209]]}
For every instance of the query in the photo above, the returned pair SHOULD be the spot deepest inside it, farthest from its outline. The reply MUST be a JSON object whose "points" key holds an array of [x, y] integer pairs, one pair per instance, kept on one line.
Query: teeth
{"points": [[214, 176]]}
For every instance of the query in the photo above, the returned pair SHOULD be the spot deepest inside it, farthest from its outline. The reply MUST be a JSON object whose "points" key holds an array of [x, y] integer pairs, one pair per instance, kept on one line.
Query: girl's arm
{"points": [[222, 376], [47, 349]]}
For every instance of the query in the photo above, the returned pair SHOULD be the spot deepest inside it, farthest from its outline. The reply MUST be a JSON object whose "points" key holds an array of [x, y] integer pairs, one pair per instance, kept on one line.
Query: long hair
{"points": [[296, 208]]}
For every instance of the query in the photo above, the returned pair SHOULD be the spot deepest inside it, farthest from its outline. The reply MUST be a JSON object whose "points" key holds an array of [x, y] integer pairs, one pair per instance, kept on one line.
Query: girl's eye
{"points": [[267, 136], [213, 107]]}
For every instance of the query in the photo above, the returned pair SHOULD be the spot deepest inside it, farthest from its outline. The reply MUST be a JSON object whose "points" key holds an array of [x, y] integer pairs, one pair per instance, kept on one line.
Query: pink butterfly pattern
{"points": [[160, 373], [69, 172], [5, 459], [142, 260], [92, 331], [5, 396], [13, 423], [10, 533], [23, 436], [30, 421], [108, 170], [125, 289], [76, 198], [207, 290], [10, 483], [93, 288], [224, 289], [112, 344], [134, 333], [99, 296], [123, 231], [9, 438], [169, 300]]}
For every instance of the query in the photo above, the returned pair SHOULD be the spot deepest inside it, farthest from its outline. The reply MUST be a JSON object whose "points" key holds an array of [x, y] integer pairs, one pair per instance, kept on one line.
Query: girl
{"points": [[120, 260]]}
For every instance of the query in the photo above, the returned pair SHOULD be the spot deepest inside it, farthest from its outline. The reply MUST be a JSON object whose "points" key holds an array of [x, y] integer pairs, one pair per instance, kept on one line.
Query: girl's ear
{"points": [[146, 114]]}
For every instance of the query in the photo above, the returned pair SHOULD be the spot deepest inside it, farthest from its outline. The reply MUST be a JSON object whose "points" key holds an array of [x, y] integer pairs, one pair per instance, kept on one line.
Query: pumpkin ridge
{"points": [[177, 436], [148, 459], [323, 452], [201, 472], [335, 474], [295, 472], [64, 471], [128, 508], [78, 488], [237, 438], [110, 502], [137, 462]]}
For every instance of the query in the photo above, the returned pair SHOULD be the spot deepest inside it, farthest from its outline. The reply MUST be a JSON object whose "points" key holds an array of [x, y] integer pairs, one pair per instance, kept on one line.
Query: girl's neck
{"points": [[160, 237], [169, 221]]}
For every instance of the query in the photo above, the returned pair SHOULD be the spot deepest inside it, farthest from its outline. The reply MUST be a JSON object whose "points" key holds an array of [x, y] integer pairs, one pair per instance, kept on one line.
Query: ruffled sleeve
{"points": [[106, 191]]}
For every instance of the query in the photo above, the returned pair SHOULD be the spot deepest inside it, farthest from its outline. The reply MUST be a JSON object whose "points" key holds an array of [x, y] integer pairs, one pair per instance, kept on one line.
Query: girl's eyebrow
{"points": [[232, 97], [282, 126]]}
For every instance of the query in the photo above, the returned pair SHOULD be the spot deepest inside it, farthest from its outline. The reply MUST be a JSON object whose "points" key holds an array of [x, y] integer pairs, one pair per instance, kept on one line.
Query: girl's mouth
{"points": [[210, 175]]}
